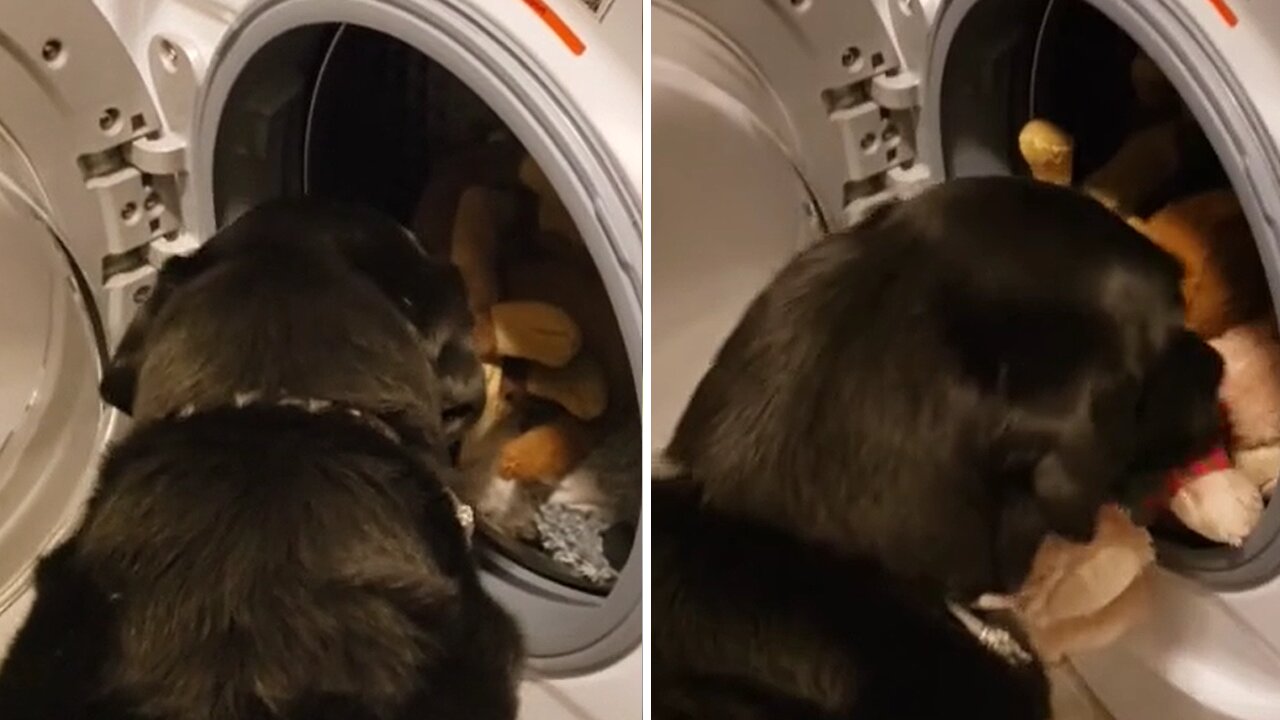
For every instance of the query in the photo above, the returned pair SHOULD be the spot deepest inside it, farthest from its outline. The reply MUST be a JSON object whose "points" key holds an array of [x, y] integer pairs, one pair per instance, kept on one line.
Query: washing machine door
{"points": [[78, 221]]}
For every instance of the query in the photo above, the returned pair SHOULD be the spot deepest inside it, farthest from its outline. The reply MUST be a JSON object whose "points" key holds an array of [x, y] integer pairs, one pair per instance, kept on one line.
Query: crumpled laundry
{"points": [[574, 537]]}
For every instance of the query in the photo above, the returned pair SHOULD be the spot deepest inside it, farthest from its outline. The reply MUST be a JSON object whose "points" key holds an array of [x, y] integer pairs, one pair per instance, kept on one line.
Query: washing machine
{"points": [[131, 129], [775, 121]]}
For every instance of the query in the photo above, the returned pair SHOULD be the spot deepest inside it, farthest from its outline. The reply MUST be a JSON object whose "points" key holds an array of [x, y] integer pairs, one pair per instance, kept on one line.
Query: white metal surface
{"points": [[176, 42], [729, 202]]}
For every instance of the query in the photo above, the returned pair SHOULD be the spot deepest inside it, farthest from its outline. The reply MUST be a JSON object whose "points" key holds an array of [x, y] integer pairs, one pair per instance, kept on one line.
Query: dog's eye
{"points": [[457, 417]]}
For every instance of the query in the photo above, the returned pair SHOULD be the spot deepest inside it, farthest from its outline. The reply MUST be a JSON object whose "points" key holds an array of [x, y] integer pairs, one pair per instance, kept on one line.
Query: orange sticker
{"points": [[558, 26], [1225, 11]]}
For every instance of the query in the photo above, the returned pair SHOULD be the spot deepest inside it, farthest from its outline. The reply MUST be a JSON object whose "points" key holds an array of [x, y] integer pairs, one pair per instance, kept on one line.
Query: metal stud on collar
{"points": [[996, 639], [466, 516]]}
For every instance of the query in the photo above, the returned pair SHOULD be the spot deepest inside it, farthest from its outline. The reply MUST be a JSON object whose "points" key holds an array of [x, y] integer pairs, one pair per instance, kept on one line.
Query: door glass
{"points": [[50, 416]]}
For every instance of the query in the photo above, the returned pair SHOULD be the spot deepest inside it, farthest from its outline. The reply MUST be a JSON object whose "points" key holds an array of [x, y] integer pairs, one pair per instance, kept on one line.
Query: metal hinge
{"points": [[877, 120], [139, 184]]}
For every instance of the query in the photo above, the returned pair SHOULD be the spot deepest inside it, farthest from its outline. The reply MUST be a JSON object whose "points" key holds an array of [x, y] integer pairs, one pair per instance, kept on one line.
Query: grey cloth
{"points": [[575, 539]]}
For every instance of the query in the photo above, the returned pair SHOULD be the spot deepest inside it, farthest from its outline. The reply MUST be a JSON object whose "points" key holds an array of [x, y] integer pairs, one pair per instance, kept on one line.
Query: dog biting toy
{"points": [[1223, 285]]}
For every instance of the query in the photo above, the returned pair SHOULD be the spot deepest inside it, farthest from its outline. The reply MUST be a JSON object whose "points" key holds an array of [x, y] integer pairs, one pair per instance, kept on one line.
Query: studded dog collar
{"points": [[464, 513]]}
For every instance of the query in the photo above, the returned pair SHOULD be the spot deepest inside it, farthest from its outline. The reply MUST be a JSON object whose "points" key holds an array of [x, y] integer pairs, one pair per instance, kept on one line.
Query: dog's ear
{"points": [[1090, 455], [436, 305], [119, 384], [1068, 493], [462, 388]]}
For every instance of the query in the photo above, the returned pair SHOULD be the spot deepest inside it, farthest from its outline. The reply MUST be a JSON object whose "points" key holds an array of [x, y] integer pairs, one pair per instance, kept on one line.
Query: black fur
{"points": [[268, 562], [898, 420], [428, 292]]}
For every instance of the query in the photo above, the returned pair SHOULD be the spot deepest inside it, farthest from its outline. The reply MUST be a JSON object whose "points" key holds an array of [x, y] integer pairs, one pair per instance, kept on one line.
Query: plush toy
{"points": [[1129, 181], [1251, 394], [1084, 596], [1223, 285], [559, 383], [1213, 497], [541, 333]]}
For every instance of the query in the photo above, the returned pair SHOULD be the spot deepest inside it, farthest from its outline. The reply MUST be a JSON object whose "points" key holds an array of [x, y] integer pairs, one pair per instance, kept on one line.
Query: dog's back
{"points": [[264, 556], [749, 622]]}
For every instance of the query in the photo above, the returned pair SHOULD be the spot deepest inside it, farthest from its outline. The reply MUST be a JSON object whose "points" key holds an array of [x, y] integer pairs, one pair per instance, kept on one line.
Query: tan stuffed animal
{"points": [[1251, 393], [1085, 596], [540, 332]]}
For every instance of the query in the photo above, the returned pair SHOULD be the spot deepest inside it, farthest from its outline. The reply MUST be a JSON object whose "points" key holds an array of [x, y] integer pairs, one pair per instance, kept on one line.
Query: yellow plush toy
{"points": [[558, 377]]}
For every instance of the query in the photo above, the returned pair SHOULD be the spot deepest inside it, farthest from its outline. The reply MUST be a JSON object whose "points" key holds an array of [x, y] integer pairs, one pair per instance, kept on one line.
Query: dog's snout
{"points": [[1179, 414]]}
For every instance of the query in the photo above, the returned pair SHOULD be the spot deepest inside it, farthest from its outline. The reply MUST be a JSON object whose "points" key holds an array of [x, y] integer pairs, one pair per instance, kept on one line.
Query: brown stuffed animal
{"points": [[543, 333], [1224, 284], [596, 387], [537, 299]]}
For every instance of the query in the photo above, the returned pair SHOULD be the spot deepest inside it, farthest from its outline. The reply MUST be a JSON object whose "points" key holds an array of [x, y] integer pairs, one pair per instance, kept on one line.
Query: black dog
{"points": [[894, 426], [274, 538]]}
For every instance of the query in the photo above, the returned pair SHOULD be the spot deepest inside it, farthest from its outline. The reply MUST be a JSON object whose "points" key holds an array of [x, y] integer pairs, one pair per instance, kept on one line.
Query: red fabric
{"points": [[1215, 460]]}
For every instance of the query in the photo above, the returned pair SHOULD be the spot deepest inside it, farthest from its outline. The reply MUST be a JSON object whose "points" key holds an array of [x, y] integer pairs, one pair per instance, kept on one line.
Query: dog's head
{"points": [[952, 380], [303, 297]]}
